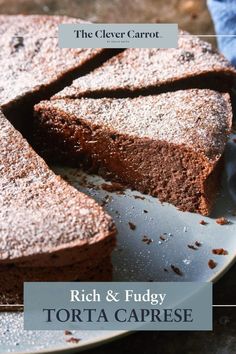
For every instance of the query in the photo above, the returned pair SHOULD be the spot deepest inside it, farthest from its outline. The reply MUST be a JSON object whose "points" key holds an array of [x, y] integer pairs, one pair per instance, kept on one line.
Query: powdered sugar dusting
{"points": [[199, 119], [137, 68], [38, 210], [30, 56]]}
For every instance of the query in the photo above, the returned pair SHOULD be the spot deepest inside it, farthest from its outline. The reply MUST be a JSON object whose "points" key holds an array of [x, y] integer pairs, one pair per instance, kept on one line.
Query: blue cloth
{"points": [[223, 13]]}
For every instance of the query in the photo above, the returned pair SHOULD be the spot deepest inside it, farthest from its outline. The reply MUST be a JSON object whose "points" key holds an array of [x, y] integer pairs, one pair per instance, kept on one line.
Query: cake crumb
{"points": [[113, 187], [212, 264], [203, 222], [106, 200], [162, 238], [73, 340], [192, 247], [147, 240], [198, 244], [138, 197], [222, 221], [145, 211], [220, 251], [176, 270], [67, 333], [132, 226]]}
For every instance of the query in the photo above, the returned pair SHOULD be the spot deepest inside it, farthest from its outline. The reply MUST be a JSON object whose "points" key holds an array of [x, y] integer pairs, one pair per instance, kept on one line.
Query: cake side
{"points": [[135, 71], [43, 218], [169, 145], [12, 277]]}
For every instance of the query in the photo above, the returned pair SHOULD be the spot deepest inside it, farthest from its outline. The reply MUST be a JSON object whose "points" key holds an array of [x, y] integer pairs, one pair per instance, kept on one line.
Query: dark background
{"points": [[193, 16]]}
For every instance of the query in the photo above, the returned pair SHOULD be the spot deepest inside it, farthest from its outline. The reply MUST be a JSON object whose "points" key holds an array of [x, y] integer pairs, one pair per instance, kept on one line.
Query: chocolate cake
{"points": [[49, 230], [138, 71], [168, 145], [33, 67]]}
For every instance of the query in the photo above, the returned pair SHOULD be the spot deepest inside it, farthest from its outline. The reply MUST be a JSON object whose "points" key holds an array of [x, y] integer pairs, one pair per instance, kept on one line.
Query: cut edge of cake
{"points": [[103, 134], [46, 224]]}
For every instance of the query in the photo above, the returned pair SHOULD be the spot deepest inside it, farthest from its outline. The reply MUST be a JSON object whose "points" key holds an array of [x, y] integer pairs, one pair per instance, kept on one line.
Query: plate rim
{"points": [[90, 343]]}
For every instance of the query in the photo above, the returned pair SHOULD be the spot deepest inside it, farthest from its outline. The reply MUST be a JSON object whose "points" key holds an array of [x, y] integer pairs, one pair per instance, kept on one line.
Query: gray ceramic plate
{"points": [[161, 238]]}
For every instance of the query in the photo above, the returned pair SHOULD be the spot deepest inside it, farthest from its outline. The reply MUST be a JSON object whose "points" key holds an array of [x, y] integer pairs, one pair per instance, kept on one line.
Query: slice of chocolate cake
{"points": [[48, 230], [149, 71], [33, 67], [168, 145]]}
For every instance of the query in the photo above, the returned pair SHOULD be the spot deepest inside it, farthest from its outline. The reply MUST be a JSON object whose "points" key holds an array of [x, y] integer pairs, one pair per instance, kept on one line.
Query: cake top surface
{"points": [[39, 211], [137, 69], [30, 56], [196, 118]]}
